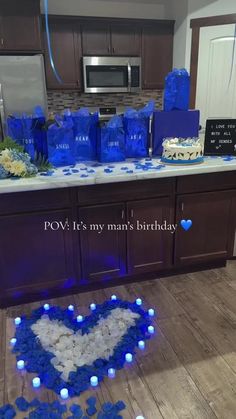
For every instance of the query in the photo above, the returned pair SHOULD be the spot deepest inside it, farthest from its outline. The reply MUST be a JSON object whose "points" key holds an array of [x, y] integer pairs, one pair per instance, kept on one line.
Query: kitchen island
{"points": [[92, 225]]}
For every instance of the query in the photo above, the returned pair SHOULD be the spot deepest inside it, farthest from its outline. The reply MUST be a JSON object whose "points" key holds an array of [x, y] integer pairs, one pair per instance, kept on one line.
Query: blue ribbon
{"points": [[49, 44]]}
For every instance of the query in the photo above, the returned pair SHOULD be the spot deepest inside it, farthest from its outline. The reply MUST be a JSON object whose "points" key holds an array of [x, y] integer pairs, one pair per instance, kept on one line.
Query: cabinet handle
{"points": [[131, 213], [182, 207], [113, 49], [2, 41], [122, 214]]}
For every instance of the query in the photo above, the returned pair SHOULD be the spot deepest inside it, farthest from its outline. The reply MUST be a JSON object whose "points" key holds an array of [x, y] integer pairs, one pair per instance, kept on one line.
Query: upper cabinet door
{"points": [[66, 53], [96, 39], [20, 25], [157, 54], [125, 39]]}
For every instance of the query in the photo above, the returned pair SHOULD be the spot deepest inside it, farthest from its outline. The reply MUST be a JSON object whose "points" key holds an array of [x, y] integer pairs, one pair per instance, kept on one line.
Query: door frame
{"points": [[196, 25]]}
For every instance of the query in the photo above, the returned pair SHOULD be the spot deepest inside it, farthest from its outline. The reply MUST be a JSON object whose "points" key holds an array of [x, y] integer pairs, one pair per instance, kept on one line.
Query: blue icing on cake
{"points": [[182, 151]]}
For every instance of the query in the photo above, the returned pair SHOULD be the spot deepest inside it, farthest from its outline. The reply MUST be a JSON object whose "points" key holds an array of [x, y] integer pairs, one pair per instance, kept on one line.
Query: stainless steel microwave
{"points": [[112, 74]]}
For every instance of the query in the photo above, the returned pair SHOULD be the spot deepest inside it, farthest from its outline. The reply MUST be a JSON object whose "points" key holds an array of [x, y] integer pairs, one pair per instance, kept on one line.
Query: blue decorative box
{"points": [[180, 124]]}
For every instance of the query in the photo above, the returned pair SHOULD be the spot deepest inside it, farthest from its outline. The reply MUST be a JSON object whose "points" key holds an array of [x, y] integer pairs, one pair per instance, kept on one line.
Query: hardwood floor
{"points": [[188, 369]]}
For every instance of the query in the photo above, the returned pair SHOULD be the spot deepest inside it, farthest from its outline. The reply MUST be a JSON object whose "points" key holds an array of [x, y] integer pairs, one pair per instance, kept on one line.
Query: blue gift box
{"points": [[183, 124]]}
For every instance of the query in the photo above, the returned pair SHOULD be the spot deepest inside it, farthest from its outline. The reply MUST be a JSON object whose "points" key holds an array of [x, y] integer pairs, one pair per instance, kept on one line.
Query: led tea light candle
{"points": [[64, 393], [17, 321], [46, 307], [139, 302], [129, 357], [151, 312], [139, 417], [151, 330], [20, 364], [71, 307], [93, 306], [13, 341], [36, 382], [113, 297], [141, 344], [111, 373], [94, 381], [79, 318]]}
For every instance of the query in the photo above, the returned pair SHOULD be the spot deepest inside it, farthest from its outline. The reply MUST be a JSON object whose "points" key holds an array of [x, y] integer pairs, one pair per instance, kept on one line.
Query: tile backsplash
{"points": [[59, 100]]}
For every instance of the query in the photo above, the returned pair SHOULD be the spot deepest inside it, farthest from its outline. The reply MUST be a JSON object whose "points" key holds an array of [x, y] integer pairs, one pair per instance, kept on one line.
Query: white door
{"points": [[216, 79]]}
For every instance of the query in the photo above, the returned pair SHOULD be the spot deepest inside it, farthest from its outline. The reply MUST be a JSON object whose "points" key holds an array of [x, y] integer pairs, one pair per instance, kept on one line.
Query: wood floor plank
{"points": [[208, 317], [210, 372], [188, 369], [176, 394]]}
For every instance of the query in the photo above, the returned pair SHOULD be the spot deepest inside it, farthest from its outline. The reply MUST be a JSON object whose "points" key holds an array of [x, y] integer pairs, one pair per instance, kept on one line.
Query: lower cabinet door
{"points": [[150, 240], [208, 238], [34, 260], [103, 246]]}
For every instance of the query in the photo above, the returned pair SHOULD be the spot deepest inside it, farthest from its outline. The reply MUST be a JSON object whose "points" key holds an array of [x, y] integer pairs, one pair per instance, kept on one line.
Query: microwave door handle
{"points": [[129, 77]]}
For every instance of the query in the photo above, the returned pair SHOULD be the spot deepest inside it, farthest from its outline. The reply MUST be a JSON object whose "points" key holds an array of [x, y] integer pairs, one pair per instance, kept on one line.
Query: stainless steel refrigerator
{"points": [[22, 85]]}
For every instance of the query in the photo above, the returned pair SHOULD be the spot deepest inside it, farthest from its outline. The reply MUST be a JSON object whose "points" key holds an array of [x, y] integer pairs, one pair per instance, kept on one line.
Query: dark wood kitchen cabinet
{"points": [[119, 39], [103, 253], [96, 39], [125, 39], [157, 54], [20, 26], [32, 260], [208, 238], [66, 50], [149, 250]]}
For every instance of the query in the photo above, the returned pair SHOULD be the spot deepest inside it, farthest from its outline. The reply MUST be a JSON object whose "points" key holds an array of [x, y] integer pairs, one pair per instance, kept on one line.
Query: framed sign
{"points": [[220, 137]]}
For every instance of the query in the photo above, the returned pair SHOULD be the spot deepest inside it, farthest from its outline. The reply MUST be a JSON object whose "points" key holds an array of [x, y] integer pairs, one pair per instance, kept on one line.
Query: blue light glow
{"points": [[139, 302], [79, 318], [46, 307], [113, 297], [13, 341], [111, 373], [64, 393], [151, 312], [17, 321], [71, 307], [129, 357], [93, 306], [141, 344], [94, 381], [20, 364], [36, 382], [151, 330]]}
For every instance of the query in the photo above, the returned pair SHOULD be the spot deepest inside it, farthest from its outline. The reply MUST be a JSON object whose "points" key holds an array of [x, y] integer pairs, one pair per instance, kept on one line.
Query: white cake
{"points": [[182, 151]]}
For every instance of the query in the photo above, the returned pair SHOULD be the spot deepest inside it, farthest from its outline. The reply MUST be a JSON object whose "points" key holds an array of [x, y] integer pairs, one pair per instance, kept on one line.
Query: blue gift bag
{"points": [[39, 132], [111, 147], [29, 132], [20, 129], [85, 128], [177, 90], [136, 126], [60, 139]]}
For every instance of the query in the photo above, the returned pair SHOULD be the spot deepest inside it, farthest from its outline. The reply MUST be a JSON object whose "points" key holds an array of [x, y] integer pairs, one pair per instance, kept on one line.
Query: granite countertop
{"points": [[97, 173]]}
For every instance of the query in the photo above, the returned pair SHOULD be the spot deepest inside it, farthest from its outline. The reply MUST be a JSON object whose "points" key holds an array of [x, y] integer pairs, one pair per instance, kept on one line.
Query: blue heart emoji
{"points": [[186, 224], [96, 344]]}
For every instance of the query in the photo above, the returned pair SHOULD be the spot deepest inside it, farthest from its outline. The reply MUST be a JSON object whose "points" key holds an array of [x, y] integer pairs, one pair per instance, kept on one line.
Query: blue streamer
{"points": [[49, 44]]}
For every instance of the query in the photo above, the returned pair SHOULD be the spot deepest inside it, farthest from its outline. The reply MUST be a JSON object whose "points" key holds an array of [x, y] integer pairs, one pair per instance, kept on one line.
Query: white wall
{"points": [[146, 9], [204, 8]]}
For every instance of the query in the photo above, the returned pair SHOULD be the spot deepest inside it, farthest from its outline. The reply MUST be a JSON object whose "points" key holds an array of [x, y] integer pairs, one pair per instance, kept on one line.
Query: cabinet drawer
{"points": [[206, 182], [125, 191], [13, 203]]}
